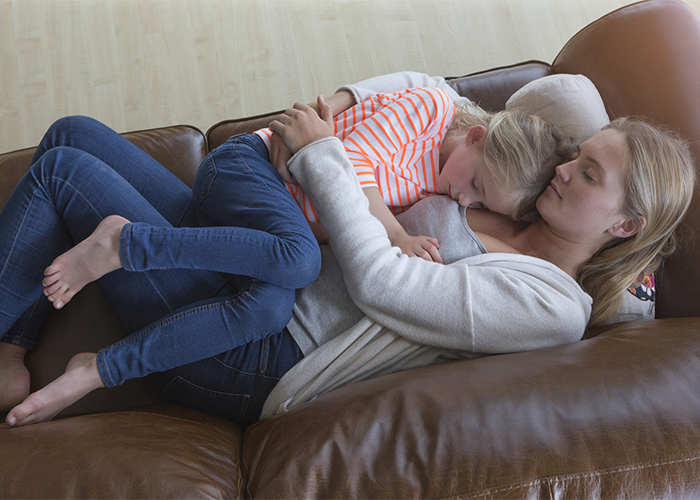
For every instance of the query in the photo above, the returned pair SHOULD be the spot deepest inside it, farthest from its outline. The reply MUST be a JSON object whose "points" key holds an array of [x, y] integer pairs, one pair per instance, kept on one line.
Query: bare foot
{"points": [[86, 262], [80, 378], [14, 376]]}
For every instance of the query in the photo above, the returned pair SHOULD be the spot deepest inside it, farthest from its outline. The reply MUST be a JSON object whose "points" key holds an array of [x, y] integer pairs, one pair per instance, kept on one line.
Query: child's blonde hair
{"points": [[521, 152], [660, 181]]}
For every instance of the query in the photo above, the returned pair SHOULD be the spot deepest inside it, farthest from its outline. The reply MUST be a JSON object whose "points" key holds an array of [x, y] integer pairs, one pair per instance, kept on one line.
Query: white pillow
{"points": [[570, 102]]}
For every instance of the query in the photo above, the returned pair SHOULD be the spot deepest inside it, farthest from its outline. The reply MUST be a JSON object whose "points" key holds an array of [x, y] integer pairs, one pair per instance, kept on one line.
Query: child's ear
{"points": [[476, 134]]}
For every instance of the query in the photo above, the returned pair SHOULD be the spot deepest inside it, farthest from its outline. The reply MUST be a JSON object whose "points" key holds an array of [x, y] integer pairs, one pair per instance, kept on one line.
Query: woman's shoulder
{"points": [[496, 231], [492, 223]]}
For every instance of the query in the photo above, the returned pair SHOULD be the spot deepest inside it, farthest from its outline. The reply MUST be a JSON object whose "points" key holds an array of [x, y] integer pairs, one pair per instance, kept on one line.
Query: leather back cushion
{"points": [[490, 89], [180, 148]]}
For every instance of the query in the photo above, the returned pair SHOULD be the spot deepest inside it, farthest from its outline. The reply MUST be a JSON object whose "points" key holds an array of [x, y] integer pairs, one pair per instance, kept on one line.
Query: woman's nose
{"points": [[564, 171]]}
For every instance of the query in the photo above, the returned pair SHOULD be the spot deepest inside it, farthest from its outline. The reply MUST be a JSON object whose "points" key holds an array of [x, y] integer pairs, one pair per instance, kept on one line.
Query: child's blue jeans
{"points": [[209, 273]]}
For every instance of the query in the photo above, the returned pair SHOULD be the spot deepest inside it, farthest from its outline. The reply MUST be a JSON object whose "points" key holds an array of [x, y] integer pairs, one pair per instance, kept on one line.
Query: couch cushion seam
{"points": [[629, 467], [223, 431], [562, 478]]}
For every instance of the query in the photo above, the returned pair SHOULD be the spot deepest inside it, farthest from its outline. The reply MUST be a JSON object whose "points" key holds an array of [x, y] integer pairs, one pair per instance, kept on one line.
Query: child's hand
{"points": [[424, 247], [279, 156], [300, 125]]}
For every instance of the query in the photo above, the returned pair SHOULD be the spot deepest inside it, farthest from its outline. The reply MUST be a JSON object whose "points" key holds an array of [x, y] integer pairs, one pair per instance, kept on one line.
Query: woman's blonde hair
{"points": [[521, 152], [659, 188]]}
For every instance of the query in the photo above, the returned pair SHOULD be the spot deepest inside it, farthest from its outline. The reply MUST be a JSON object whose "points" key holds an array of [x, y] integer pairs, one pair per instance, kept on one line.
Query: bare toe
{"points": [[14, 376], [88, 261], [80, 378], [52, 289]]}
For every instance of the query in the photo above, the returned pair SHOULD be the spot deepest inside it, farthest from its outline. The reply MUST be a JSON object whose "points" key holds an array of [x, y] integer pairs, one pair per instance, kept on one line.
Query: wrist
{"points": [[396, 233]]}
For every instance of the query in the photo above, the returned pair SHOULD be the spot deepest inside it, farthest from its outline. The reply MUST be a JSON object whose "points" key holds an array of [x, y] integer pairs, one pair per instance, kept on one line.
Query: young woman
{"points": [[606, 216]]}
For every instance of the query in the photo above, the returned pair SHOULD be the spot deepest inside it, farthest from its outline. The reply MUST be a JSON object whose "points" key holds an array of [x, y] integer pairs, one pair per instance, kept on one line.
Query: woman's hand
{"points": [[300, 125]]}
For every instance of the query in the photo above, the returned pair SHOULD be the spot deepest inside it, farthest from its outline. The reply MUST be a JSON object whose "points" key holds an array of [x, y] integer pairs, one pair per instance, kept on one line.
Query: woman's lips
{"points": [[554, 189]]}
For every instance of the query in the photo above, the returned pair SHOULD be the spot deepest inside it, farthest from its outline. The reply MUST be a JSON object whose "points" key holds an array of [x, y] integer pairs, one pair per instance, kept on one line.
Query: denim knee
{"points": [[58, 134], [281, 301], [308, 264], [73, 122], [55, 160]]}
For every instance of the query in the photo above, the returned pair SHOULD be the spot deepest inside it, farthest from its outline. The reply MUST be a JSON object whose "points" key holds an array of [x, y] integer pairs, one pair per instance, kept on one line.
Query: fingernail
{"points": [[12, 421], [59, 304]]}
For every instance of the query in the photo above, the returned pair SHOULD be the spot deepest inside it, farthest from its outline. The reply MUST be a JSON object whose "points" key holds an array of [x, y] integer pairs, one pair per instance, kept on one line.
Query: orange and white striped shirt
{"points": [[393, 141]]}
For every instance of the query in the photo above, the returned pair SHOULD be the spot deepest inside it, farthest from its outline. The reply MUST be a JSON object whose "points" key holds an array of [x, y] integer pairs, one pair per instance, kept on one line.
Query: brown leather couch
{"points": [[614, 416]]}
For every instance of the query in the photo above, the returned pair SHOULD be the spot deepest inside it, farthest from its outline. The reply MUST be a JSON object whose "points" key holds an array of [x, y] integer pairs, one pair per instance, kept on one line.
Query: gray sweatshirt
{"points": [[397, 312]]}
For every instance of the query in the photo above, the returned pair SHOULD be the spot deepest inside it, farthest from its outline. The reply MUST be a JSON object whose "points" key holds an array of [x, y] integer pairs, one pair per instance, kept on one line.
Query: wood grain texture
{"points": [[138, 64]]}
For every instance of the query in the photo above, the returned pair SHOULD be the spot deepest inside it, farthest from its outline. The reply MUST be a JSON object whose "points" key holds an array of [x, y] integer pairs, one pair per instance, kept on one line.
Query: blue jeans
{"points": [[202, 291]]}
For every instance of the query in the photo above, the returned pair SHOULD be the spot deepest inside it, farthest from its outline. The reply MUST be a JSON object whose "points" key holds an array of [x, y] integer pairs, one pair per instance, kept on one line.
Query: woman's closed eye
{"points": [[588, 176]]}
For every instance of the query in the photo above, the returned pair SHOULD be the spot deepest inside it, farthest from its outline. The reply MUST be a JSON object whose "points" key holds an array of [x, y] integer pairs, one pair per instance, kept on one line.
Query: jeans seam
{"points": [[126, 232], [244, 372], [16, 339], [234, 146], [243, 400], [101, 362], [75, 190], [19, 340], [157, 290], [207, 191], [265, 356], [217, 394], [22, 224], [26, 323], [160, 323]]}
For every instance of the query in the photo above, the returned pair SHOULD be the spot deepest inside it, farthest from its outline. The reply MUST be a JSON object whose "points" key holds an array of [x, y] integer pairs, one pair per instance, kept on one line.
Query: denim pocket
{"points": [[225, 405]]}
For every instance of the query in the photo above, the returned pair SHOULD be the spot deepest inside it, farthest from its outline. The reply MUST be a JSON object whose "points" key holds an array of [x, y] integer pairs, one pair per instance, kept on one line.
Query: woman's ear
{"points": [[476, 134], [628, 228]]}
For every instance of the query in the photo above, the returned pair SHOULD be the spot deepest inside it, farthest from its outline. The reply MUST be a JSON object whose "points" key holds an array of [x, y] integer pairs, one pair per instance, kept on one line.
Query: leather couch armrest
{"points": [[645, 60]]}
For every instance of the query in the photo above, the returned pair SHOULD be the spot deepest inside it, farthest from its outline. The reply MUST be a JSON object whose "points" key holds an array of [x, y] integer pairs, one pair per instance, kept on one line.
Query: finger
{"points": [[434, 241], [435, 255], [290, 112], [432, 249], [325, 110], [287, 176], [276, 126], [301, 106], [425, 256]]}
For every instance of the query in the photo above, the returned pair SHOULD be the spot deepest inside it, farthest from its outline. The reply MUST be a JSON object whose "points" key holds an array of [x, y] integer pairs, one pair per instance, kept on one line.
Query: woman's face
{"points": [[584, 199]]}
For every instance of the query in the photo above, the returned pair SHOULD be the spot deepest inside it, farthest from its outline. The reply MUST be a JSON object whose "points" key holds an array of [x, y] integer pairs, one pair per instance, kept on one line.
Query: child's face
{"points": [[466, 179]]}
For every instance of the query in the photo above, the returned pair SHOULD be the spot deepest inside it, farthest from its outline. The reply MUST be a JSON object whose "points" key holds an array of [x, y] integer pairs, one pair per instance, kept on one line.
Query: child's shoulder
{"points": [[422, 95]]}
